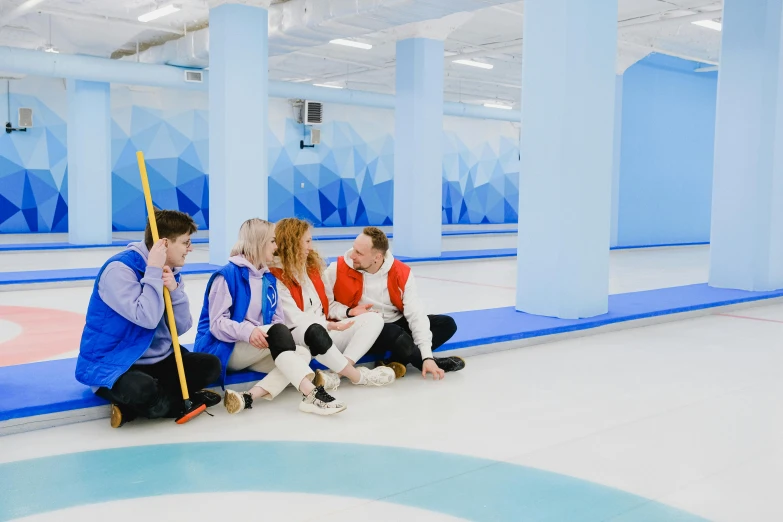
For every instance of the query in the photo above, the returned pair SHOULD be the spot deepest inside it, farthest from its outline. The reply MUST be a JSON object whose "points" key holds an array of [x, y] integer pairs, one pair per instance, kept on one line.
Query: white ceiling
{"points": [[492, 32]]}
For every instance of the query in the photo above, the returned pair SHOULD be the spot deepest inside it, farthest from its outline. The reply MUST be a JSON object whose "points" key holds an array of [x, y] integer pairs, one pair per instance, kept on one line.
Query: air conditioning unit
{"points": [[25, 118], [312, 112], [194, 76]]}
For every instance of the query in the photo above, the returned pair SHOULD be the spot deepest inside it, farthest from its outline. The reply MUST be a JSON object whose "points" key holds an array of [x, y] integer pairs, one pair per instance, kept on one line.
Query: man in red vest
{"points": [[369, 279]]}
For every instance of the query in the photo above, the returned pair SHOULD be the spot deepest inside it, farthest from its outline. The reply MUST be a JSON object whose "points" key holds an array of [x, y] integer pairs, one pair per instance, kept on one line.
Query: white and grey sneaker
{"points": [[380, 376], [236, 402], [321, 403], [328, 379]]}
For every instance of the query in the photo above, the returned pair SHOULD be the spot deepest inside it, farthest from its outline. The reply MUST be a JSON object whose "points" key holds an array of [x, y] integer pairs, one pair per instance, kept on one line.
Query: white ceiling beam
{"points": [[110, 19], [667, 52], [672, 20]]}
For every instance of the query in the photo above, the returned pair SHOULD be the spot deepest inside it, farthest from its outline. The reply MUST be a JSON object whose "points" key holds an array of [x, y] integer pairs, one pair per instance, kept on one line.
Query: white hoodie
{"points": [[376, 293]]}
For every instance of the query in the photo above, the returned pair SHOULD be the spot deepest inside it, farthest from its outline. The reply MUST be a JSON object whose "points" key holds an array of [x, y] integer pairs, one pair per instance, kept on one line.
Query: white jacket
{"points": [[313, 311], [376, 293]]}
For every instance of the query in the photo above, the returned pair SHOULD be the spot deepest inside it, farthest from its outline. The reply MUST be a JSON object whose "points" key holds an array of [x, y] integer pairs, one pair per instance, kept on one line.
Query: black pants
{"points": [[153, 390], [396, 338]]}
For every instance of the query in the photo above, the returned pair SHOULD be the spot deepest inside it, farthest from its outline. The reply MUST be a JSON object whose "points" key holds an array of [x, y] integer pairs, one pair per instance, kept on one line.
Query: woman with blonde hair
{"points": [[243, 326], [336, 344]]}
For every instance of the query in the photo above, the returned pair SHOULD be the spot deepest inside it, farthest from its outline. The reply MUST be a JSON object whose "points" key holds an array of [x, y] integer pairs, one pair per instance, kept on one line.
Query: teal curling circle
{"points": [[457, 485]]}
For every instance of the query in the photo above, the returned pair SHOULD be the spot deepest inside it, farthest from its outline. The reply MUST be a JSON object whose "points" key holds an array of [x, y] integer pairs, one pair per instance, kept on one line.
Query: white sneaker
{"points": [[236, 402], [328, 379], [321, 403], [380, 376]]}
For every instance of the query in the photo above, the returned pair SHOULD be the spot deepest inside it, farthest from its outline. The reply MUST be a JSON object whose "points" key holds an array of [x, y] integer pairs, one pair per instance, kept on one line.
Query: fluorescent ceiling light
{"points": [[159, 13], [327, 85], [480, 65], [351, 43], [50, 49], [709, 24], [498, 106]]}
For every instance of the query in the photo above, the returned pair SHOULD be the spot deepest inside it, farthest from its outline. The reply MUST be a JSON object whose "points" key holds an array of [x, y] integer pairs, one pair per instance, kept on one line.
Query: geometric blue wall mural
{"points": [[480, 186], [33, 173], [346, 180], [176, 153]]}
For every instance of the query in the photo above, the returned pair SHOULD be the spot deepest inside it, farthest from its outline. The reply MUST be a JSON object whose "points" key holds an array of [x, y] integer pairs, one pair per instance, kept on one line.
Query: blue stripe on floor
{"points": [[56, 390], [457, 485]]}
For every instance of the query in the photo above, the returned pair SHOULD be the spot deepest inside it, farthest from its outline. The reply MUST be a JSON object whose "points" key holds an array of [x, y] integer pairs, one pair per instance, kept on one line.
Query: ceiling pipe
{"points": [[91, 68]]}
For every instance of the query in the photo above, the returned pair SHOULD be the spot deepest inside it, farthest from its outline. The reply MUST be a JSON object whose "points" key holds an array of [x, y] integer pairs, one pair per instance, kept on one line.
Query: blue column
{"points": [[418, 157], [89, 163], [238, 111], [618, 142], [747, 199], [567, 140]]}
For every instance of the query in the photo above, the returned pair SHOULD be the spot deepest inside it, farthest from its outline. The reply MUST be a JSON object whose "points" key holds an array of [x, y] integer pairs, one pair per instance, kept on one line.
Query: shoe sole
{"points": [[399, 369], [374, 384], [116, 416], [212, 398], [232, 403], [312, 408]]}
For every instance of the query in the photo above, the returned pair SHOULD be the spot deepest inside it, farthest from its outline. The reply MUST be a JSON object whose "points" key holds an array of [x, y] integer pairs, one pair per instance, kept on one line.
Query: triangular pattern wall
{"points": [[346, 180], [176, 151], [33, 173]]}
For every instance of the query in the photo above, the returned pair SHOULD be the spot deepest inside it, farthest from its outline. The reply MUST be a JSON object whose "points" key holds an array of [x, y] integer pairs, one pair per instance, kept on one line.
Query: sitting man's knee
{"points": [[404, 346], [213, 370], [449, 325]]}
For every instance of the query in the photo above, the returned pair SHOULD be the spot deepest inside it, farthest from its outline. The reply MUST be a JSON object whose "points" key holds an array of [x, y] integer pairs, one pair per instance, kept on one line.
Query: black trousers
{"points": [[396, 338], [153, 390]]}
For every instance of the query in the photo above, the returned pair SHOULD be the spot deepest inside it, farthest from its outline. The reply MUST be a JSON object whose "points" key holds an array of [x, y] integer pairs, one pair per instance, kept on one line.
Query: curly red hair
{"points": [[288, 235]]}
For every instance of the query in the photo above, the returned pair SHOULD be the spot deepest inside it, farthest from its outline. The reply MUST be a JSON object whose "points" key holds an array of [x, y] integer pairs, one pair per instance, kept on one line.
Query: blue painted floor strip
{"points": [[56, 390], [64, 245]]}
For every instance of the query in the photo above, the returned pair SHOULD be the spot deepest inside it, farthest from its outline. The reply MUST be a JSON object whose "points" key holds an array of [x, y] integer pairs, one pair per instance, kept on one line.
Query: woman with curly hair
{"points": [[336, 344], [242, 324]]}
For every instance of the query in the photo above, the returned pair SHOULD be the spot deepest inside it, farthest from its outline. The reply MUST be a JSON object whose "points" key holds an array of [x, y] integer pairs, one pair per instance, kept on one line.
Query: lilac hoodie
{"points": [[220, 323], [141, 302]]}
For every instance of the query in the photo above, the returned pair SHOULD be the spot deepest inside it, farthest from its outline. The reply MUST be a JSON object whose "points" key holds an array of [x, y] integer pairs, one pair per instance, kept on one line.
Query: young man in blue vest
{"points": [[126, 353]]}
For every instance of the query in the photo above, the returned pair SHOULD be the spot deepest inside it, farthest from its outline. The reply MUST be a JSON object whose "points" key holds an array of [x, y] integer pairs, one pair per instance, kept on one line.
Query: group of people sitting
{"points": [[272, 308]]}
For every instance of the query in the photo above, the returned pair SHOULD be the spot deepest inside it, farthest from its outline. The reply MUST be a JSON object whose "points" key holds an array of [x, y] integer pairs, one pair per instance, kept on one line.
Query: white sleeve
{"points": [[293, 315], [336, 310], [417, 318]]}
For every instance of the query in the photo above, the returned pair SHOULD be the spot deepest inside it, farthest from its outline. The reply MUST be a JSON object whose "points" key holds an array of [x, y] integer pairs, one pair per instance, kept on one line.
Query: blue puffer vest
{"points": [[238, 281], [110, 343]]}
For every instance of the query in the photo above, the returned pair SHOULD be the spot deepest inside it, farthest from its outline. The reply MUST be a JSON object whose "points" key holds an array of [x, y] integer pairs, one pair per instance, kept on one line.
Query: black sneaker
{"points": [[450, 364], [236, 402], [206, 397]]}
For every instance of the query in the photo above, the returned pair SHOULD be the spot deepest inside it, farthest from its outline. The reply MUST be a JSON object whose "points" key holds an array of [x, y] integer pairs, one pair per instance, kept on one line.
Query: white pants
{"points": [[353, 342], [290, 367]]}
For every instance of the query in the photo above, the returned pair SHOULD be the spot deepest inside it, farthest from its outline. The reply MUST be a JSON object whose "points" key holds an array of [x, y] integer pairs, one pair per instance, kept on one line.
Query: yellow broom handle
{"points": [[145, 184]]}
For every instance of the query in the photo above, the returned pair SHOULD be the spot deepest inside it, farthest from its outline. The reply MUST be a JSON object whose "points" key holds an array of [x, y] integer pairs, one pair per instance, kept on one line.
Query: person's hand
{"points": [[258, 338], [431, 366], [157, 255], [359, 310], [339, 327], [168, 279]]}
